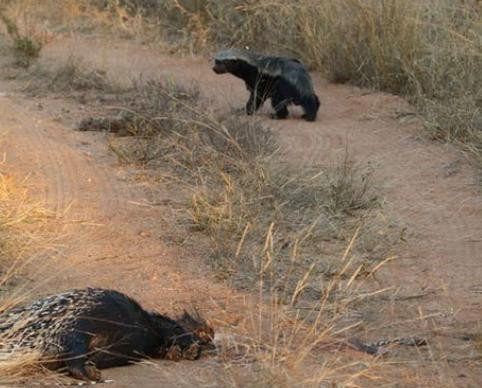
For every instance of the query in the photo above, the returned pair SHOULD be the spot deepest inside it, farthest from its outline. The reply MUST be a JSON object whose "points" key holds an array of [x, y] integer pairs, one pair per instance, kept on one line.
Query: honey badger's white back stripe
{"points": [[236, 54], [290, 69]]}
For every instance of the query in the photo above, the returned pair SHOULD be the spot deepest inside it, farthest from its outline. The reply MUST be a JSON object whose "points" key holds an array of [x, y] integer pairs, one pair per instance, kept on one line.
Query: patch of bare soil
{"points": [[114, 234]]}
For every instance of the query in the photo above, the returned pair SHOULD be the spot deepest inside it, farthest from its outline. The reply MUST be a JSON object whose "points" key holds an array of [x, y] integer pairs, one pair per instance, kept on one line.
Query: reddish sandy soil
{"points": [[112, 237]]}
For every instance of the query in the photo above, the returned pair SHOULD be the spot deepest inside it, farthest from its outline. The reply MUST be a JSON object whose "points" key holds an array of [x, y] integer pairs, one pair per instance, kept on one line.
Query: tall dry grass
{"points": [[22, 239], [19, 218]]}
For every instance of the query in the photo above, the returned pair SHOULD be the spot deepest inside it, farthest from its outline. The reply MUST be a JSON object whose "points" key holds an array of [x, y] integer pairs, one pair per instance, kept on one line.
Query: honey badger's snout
{"points": [[219, 67]]}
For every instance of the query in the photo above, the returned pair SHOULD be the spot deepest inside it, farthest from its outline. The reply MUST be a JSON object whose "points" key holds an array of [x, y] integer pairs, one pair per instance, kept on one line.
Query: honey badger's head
{"points": [[227, 61], [221, 67]]}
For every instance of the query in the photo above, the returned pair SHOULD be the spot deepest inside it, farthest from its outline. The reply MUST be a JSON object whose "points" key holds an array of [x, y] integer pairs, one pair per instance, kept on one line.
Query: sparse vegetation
{"points": [[242, 193], [72, 77], [22, 234], [25, 47], [18, 215]]}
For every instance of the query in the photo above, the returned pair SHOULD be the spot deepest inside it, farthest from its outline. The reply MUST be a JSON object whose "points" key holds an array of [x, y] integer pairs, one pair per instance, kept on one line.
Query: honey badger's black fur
{"points": [[285, 80], [85, 329]]}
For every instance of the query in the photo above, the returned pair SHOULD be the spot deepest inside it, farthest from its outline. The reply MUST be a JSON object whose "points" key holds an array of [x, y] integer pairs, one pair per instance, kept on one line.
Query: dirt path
{"points": [[113, 236]]}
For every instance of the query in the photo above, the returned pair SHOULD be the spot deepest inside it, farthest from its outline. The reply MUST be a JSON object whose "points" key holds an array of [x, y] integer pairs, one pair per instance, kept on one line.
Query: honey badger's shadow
{"points": [[81, 331]]}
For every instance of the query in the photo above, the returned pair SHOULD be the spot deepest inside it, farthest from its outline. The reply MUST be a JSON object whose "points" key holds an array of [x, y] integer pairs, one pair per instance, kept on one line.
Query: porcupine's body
{"points": [[285, 80], [85, 329]]}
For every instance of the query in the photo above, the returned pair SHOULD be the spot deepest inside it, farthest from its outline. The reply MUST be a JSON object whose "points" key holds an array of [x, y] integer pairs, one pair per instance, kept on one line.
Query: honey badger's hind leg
{"points": [[280, 106], [76, 362], [282, 95], [310, 105]]}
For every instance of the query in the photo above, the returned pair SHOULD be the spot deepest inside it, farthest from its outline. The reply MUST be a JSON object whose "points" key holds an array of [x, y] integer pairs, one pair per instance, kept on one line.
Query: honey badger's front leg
{"points": [[254, 102]]}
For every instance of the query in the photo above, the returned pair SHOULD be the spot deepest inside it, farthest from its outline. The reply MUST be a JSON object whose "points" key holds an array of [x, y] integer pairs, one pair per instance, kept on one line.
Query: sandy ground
{"points": [[112, 237]]}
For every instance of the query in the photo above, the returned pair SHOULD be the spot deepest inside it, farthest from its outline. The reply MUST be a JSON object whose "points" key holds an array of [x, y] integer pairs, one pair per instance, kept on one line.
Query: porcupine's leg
{"points": [[77, 363]]}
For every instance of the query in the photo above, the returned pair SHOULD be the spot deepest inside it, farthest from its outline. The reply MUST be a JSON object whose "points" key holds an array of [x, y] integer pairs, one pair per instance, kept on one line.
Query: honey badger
{"points": [[285, 80], [82, 330]]}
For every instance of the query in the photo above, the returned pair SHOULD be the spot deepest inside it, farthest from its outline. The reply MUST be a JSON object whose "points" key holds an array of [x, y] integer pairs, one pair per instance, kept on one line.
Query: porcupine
{"points": [[84, 330]]}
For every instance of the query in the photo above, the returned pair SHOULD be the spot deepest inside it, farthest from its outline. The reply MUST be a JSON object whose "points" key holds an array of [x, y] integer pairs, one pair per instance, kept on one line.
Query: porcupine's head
{"points": [[186, 337]]}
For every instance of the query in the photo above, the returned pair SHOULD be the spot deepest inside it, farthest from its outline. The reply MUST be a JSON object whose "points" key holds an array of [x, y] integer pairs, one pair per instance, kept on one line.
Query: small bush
{"points": [[73, 77], [25, 48]]}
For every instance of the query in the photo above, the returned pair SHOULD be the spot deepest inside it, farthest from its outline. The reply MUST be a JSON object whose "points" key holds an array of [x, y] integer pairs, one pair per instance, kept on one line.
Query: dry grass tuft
{"points": [[14, 368], [71, 78], [21, 240], [25, 368], [26, 47], [19, 218]]}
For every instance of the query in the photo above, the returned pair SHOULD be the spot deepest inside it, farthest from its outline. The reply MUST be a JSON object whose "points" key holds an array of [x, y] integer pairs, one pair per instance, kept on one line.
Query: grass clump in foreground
{"points": [[18, 217], [21, 222]]}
